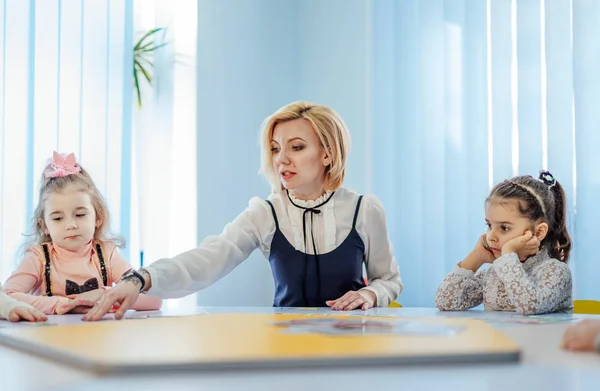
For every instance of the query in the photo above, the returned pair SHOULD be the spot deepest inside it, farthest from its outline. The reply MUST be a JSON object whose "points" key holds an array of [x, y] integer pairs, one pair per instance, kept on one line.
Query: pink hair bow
{"points": [[61, 166]]}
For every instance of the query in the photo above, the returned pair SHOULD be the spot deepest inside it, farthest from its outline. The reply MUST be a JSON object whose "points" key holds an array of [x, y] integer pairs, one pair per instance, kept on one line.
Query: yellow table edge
{"points": [[12, 338]]}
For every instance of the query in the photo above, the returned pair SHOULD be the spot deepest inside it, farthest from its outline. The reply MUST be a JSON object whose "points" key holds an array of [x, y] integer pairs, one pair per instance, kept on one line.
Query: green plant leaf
{"points": [[141, 68], [141, 48], [137, 87], [142, 60], [139, 55], [149, 33], [148, 50], [144, 47]]}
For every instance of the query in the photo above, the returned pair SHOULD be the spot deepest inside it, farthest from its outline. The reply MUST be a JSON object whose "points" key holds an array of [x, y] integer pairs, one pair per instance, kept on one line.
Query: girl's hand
{"points": [[67, 307], [524, 246], [478, 256], [84, 309], [363, 298], [483, 251], [26, 313], [581, 336]]}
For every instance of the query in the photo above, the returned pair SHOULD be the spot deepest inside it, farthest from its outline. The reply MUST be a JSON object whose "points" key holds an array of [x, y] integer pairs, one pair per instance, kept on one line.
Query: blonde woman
{"points": [[316, 234]]}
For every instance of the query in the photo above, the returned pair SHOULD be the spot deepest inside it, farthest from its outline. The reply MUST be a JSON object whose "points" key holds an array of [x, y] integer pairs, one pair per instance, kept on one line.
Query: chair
{"points": [[586, 307]]}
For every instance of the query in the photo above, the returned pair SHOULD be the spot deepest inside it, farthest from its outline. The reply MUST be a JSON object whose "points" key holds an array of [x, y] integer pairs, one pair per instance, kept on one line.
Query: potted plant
{"points": [[142, 58]]}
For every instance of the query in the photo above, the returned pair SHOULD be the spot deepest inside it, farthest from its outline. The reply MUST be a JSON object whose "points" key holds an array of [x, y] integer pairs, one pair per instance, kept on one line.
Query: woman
{"points": [[316, 234]]}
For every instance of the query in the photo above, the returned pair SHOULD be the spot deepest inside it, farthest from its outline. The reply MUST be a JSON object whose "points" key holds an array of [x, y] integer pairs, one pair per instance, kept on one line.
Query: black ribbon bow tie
{"points": [[73, 288]]}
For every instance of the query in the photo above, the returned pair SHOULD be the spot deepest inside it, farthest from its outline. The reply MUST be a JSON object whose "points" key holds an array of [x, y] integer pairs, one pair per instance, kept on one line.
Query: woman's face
{"points": [[299, 158]]}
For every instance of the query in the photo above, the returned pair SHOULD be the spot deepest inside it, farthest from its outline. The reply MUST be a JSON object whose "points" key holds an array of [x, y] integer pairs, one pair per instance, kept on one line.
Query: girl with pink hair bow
{"points": [[72, 258]]}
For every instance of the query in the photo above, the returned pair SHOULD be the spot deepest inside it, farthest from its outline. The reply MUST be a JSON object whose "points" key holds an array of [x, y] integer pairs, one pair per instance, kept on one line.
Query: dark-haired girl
{"points": [[527, 246]]}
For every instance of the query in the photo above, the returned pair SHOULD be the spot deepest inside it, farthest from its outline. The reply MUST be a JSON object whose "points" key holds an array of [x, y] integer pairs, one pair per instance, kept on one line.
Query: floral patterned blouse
{"points": [[539, 285]]}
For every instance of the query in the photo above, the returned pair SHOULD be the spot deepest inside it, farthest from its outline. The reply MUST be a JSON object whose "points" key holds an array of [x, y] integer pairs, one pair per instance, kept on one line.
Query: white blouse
{"points": [[539, 285], [254, 228]]}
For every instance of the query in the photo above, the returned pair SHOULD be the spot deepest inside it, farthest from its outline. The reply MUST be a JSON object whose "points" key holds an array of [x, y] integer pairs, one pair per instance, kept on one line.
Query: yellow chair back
{"points": [[586, 307]]}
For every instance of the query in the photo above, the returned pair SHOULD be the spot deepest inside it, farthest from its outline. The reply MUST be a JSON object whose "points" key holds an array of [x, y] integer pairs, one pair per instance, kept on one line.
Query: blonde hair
{"points": [[330, 130], [56, 184]]}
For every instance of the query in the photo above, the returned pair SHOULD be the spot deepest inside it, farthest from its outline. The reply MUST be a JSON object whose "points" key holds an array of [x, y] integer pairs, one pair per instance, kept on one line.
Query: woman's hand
{"points": [[81, 309], [123, 295], [90, 296], [363, 298]]}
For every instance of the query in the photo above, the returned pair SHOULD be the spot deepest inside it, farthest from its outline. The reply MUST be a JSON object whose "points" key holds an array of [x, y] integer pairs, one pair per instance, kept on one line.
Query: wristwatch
{"points": [[134, 273]]}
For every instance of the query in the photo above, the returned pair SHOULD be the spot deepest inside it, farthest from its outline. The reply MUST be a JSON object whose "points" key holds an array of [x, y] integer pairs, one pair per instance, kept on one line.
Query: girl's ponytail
{"points": [[559, 241]]}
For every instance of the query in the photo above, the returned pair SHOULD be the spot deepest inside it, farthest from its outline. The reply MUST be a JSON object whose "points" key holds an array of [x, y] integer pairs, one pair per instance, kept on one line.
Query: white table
{"points": [[543, 365]]}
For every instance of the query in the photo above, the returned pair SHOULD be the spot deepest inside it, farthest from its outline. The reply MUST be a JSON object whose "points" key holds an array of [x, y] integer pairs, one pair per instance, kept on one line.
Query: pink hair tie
{"points": [[60, 166]]}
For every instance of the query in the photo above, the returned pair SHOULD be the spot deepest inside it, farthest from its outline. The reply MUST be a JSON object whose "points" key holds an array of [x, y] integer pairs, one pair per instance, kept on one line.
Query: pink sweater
{"points": [[28, 283]]}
